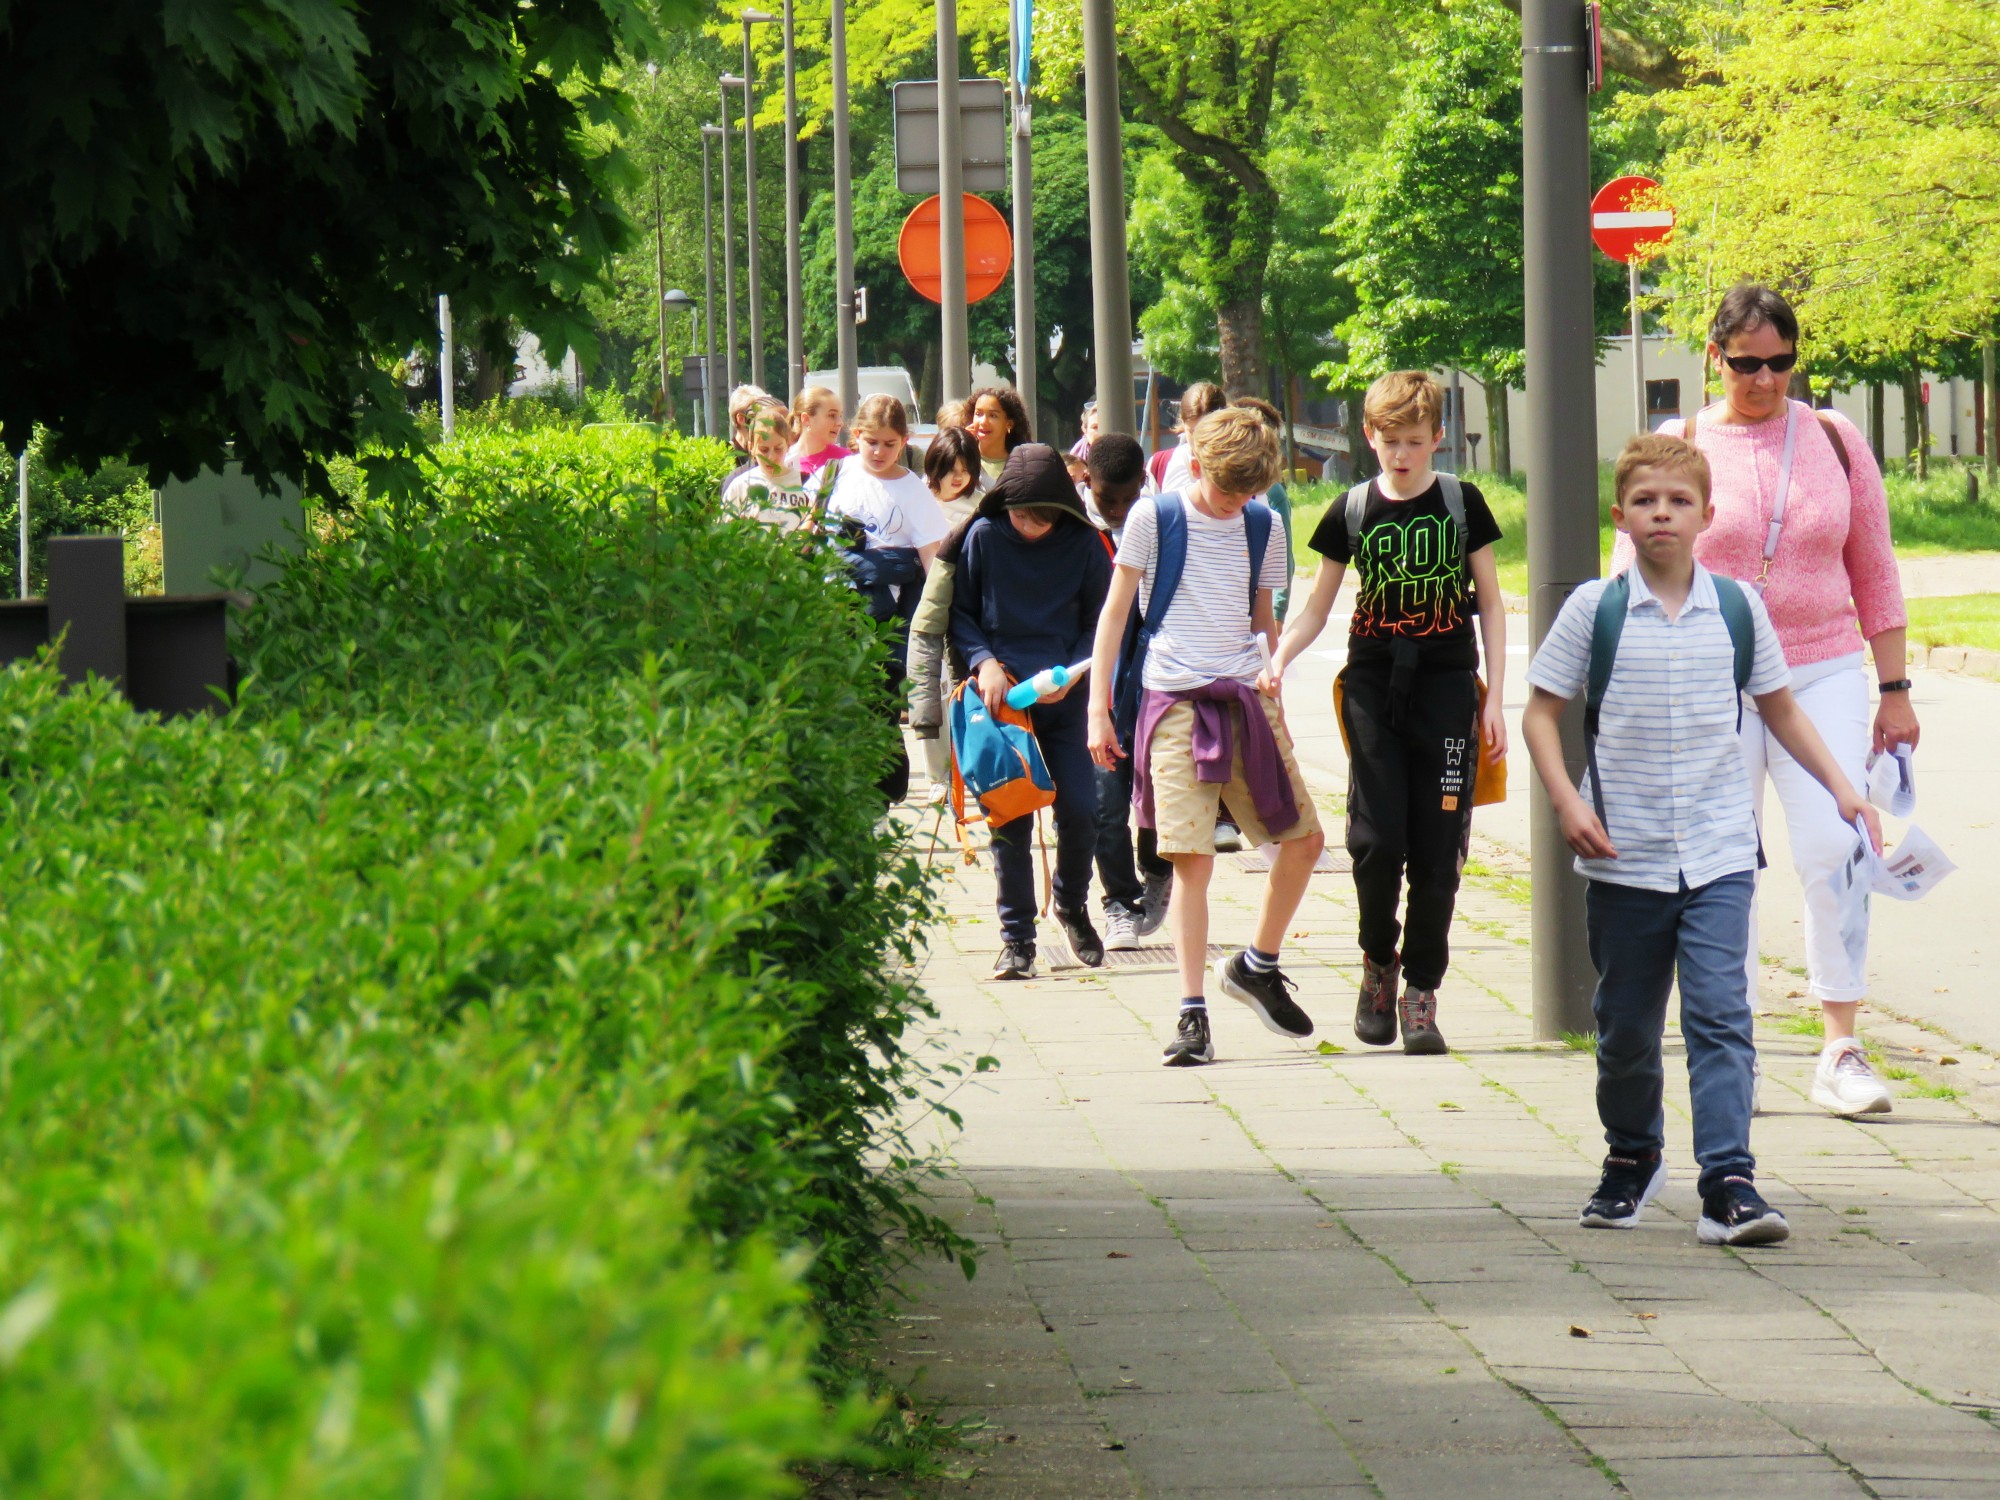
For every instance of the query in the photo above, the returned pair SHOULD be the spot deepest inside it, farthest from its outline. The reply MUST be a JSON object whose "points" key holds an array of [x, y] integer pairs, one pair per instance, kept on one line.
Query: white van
{"points": [[884, 380]]}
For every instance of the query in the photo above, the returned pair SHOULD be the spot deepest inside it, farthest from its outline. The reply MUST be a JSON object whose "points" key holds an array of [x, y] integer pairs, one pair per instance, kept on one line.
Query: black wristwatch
{"points": [[1900, 685]]}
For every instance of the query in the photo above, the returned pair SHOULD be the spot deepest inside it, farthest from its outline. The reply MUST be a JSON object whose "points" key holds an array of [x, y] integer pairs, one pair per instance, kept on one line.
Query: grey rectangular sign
{"points": [[982, 113]]}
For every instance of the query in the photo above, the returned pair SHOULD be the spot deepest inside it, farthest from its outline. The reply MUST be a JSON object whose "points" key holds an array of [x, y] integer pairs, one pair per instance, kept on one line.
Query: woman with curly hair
{"points": [[1000, 423]]}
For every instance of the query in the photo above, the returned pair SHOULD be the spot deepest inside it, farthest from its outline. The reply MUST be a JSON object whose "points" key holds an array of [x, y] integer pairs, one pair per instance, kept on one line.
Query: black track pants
{"points": [[1409, 807]]}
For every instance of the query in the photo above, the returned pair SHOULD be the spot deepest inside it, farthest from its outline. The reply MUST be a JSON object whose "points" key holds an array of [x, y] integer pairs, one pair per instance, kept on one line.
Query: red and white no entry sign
{"points": [[1626, 233]]}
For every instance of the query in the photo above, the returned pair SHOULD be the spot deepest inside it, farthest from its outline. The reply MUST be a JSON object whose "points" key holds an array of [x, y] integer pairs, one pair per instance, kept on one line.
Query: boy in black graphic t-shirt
{"points": [[1422, 545]]}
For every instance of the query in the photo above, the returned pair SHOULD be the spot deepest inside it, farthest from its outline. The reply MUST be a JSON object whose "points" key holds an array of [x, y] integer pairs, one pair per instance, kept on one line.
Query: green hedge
{"points": [[453, 1072]]}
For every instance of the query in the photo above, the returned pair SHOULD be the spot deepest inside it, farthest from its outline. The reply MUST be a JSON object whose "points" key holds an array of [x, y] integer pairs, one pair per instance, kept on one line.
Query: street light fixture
{"points": [[708, 381], [727, 82], [753, 18]]}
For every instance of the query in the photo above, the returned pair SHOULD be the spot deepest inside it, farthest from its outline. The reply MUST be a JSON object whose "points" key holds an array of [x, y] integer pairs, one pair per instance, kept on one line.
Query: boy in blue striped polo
{"points": [[1664, 832]]}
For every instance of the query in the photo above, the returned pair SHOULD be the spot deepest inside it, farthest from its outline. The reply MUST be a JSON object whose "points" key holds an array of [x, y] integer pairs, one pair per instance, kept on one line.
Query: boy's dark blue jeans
{"points": [[1061, 729], [1116, 872], [1639, 941]]}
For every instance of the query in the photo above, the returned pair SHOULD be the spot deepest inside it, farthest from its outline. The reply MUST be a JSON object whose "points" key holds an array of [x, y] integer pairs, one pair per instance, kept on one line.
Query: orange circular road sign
{"points": [[989, 248]]}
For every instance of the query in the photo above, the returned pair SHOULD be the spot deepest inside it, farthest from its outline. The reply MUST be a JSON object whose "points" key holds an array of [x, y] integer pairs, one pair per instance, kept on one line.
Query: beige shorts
{"points": [[1184, 809]]}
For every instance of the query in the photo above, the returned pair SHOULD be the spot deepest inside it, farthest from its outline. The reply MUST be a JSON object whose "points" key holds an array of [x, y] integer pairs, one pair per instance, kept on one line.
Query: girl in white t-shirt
{"points": [[896, 509]]}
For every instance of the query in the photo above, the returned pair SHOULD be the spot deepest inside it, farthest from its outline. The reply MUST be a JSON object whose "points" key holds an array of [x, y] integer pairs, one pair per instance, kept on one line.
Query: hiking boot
{"points": [[1419, 1015], [1016, 961], [1083, 939], [1734, 1214], [1845, 1084], [1629, 1183], [1191, 1046], [1228, 837], [1153, 905], [1121, 929], [1265, 994], [1375, 1011]]}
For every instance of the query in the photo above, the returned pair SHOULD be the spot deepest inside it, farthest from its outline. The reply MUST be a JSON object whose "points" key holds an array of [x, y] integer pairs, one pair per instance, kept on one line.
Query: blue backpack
{"points": [[996, 763], [1609, 624], [1128, 688]]}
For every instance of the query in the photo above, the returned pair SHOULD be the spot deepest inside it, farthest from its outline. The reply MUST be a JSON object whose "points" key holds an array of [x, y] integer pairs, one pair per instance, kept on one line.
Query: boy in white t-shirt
{"points": [[1209, 726]]}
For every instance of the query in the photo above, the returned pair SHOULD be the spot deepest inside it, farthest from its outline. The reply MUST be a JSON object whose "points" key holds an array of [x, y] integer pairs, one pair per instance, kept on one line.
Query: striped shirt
{"points": [[1206, 635], [1676, 796]]}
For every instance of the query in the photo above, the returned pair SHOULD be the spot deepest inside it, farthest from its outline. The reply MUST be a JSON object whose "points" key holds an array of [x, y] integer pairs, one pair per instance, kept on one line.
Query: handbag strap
{"points": [[1776, 528]]}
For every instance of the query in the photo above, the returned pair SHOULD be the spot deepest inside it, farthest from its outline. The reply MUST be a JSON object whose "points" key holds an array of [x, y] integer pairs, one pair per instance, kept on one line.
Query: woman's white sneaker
{"points": [[1845, 1084]]}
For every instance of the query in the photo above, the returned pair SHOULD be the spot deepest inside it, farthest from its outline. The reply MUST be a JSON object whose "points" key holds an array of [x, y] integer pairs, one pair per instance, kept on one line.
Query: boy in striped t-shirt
{"points": [[1666, 837]]}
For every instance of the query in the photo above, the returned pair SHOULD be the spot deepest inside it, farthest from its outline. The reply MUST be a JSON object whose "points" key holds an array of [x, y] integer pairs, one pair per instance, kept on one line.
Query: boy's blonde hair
{"points": [[1659, 450], [810, 402], [954, 414], [1404, 398], [1237, 450], [743, 399]]}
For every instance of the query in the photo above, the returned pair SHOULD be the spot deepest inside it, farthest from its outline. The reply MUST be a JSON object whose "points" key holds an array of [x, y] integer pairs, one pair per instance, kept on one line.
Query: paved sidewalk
{"points": [[1301, 1273]]}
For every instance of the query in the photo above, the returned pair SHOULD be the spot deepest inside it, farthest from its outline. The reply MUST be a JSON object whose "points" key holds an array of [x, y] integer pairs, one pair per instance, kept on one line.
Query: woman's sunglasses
{"points": [[1750, 364]]}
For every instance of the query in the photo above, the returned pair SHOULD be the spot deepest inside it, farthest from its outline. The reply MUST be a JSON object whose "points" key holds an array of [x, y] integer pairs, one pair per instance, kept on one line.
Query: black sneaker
{"points": [[1083, 939], [1016, 961], [1191, 1046], [1734, 1214], [1375, 1010], [1153, 904], [1419, 1015], [1265, 994], [1629, 1183]]}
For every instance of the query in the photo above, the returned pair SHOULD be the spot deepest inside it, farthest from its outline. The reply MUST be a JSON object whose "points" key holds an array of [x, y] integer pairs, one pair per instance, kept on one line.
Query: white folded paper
{"points": [[1892, 781], [1912, 867]]}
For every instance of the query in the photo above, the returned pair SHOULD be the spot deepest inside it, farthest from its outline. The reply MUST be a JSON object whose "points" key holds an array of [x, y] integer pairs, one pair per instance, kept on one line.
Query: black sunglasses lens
{"points": [[1750, 364]]}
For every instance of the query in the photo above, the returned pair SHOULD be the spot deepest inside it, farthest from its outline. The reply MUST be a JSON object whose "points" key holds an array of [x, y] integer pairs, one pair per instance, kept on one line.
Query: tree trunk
{"points": [[1499, 429], [1241, 326], [1913, 438], [1360, 457], [1878, 418]]}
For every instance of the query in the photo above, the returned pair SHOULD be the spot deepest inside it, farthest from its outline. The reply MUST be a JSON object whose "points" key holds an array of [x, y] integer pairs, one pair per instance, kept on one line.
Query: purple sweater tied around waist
{"points": [[1215, 749]]}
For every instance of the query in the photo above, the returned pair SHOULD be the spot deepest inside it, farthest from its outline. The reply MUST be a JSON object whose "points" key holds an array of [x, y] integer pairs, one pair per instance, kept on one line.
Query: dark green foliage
{"points": [[218, 217], [421, 1081], [65, 499]]}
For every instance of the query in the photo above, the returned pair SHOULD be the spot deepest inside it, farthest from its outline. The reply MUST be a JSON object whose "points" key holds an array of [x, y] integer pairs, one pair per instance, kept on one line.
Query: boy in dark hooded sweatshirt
{"points": [[1032, 575]]}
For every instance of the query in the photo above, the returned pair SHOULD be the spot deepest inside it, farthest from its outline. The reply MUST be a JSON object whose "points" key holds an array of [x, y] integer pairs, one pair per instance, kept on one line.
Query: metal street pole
{"points": [[708, 134], [955, 339], [728, 248], [1990, 428], [795, 309], [846, 353], [447, 367], [1561, 451], [752, 257], [1026, 346], [1638, 355], [24, 523], [1110, 275], [660, 292]]}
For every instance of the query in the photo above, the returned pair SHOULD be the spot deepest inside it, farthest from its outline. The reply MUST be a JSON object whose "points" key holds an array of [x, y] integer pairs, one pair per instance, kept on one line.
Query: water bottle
{"points": [[1028, 694], [1048, 680]]}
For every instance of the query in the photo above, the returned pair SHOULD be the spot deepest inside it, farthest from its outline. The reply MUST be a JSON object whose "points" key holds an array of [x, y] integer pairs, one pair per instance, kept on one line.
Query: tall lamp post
{"points": [[1110, 275], [954, 335], [846, 354], [752, 18], [795, 310], [676, 302], [1026, 345], [1561, 444], [708, 382], [727, 82]]}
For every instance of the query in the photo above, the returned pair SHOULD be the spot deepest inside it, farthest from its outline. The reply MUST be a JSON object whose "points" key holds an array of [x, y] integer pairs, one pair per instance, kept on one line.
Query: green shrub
{"points": [[456, 1071]]}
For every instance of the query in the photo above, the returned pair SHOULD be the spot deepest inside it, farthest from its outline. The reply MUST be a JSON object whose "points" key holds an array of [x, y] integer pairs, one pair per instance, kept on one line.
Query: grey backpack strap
{"points": [[1454, 503], [1357, 511]]}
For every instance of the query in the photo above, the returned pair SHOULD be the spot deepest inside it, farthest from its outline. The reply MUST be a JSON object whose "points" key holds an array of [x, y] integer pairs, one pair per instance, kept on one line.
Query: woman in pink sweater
{"points": [[1830, 583]]}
